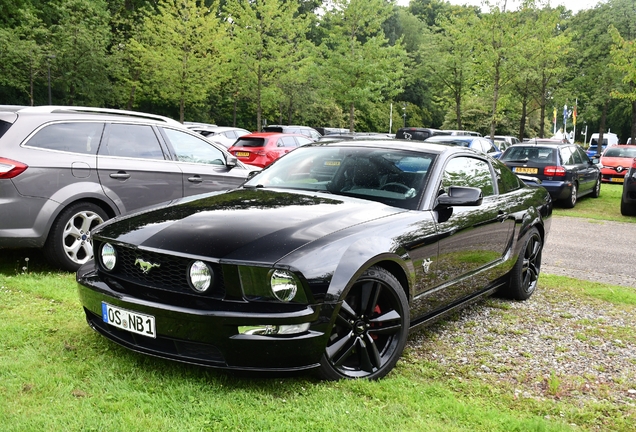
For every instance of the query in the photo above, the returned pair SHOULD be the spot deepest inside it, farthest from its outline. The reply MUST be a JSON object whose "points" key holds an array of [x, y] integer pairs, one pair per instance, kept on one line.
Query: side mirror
{"points": [[460, 196], [231, 161]]}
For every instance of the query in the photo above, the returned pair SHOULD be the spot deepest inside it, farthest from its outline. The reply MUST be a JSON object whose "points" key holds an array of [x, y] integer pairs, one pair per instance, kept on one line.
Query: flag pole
{"points": [[576, 102]]}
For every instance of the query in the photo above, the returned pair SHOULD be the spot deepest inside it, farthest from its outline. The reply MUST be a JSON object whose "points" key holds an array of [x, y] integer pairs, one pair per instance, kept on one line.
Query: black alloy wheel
{"points": [[370, 330], [525, 274]]}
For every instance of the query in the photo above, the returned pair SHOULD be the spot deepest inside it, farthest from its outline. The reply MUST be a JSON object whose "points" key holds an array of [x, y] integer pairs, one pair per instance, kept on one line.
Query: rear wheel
{"points": [[570, 201], [68, 245], [370, 330], [525, 274]]}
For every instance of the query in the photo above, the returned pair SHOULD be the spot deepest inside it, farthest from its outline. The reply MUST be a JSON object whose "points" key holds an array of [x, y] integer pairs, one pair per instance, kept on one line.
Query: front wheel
{"points": [[370, 330], [524, 276], [628, 209], [597, 189], [68, 245]]}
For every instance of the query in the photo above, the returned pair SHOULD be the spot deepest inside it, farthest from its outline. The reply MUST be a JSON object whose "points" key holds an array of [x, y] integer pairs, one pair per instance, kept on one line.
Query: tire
{"points": [[570, 202], [68, 245], [524, 275], [596, 192], [628, 209], [370, 330]]}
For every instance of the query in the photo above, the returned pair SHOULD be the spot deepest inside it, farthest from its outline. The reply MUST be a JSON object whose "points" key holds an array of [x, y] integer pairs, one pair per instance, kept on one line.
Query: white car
{"points": [[224, 135]]}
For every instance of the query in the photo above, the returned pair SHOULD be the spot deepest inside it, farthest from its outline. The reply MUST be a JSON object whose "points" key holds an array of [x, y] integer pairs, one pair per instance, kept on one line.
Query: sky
{"points": [[573, 5]]}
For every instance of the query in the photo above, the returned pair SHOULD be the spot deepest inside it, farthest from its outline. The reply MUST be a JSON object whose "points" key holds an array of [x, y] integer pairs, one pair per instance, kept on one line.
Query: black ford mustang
{"points": [[324, 260]]}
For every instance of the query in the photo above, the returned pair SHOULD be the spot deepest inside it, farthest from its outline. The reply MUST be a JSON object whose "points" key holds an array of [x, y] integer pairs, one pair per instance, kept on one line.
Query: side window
{"points": [[302, 141], [567, 158], [191, 149], [132, 141], [69, 137], [289, 141], [507, 181], [467, 171], [577, 156], [582, 154]]}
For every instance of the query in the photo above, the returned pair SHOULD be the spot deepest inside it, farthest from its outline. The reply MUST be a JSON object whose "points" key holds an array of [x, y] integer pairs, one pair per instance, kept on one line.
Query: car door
{"points": [[203, 165], [473, 239], [133, 169], [589, 169]]}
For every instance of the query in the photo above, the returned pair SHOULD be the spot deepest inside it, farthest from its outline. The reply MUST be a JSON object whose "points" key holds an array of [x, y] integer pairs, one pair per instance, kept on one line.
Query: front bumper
{"points": [[209, 337]]}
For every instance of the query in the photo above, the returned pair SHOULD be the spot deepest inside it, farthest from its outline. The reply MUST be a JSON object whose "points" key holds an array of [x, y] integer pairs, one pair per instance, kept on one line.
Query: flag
{"points": [[574, 116], [554, 117], [565, 114]]}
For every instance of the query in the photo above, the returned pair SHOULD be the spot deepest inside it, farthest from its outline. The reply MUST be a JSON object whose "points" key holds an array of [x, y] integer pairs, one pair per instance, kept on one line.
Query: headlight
{"points": [[108, 256], [267, 284], [283, 285], [201, 277]]}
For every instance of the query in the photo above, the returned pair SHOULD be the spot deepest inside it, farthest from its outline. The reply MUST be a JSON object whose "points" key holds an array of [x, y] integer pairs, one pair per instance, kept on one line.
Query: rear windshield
{"points": [[250, 142], [620, 152], [530, 154]]}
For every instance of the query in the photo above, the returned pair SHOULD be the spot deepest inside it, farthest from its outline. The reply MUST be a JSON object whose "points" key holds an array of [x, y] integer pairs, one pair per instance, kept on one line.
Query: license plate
{"points": [[523, 170], [128, 320], [243, 154], [617, 179]]}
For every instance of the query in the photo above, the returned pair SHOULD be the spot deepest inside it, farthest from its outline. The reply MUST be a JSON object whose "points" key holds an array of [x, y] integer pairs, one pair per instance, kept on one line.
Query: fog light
{"points": [[200, 276], [109, 256], [283, 285], [268, 329]]}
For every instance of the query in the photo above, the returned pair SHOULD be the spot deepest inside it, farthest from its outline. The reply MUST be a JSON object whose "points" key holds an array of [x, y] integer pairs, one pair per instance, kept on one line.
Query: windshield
{"points": [[622, 152], [393, 177]]}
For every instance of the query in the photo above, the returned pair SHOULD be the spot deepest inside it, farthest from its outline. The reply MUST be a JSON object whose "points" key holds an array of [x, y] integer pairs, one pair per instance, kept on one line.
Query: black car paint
{"points": [[327, 241], [628, 198]]}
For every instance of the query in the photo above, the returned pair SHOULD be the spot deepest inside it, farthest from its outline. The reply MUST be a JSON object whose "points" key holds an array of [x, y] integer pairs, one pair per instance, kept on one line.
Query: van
{"points": [[609, 139]]}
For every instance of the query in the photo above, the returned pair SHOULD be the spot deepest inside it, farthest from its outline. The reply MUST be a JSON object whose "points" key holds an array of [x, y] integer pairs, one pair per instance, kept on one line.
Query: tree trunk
{"points": [[259, 127], [351, 118], [522, 122], [601, 129], [495, 99]]}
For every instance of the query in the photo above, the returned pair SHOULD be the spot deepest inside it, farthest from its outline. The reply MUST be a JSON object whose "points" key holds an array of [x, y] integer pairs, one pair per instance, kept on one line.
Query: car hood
{"points": [[616, 161], [248, 225]]}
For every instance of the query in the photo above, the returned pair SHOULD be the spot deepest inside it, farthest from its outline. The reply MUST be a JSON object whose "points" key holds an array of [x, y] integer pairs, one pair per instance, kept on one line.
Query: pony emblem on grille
{"points": [[145, 265]]}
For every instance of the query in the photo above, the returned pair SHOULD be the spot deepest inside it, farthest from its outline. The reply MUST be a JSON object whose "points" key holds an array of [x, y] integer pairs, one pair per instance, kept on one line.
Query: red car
{"points": [[615, 162], [263, 148]]}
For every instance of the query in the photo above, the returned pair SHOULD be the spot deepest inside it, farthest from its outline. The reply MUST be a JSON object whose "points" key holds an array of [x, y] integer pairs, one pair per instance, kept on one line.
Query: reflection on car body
{"points": [[324, 260]]}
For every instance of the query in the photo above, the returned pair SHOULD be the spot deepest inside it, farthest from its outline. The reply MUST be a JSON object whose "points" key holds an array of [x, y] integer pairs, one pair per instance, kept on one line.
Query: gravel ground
{"points": [[552, 346]]}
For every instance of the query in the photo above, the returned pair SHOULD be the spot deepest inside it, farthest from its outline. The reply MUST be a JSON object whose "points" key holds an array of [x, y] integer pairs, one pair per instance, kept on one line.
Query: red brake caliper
{"points": [[376, 310]]}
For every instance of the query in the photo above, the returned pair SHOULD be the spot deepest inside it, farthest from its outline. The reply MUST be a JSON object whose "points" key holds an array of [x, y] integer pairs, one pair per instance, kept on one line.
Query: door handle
{"points": [[502, 216], [121, 175], [195, 179]]}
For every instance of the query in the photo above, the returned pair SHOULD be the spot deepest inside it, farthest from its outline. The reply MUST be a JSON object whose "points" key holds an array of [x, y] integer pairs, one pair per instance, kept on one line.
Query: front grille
{"points": [[170, 273]]}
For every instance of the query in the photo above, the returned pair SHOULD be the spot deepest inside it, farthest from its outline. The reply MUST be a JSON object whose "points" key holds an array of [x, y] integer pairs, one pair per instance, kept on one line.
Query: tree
{"points": [[178, 49], [360, 67], [267, 40], [623, 55]]}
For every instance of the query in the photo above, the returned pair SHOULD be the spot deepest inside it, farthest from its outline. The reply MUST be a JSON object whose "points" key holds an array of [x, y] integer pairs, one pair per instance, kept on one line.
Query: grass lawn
{"points": [[605, 207]]}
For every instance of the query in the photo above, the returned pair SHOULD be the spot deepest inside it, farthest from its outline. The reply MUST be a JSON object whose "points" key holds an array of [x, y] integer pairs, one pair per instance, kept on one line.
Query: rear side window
{"points": [[132, 141], [77, 137], [4, 126], [507, 181]]}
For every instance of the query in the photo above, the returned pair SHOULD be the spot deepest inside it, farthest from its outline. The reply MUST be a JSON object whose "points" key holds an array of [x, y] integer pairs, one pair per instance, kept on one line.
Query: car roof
{"points": [[93, 112], [408, 145], [451, 138]]}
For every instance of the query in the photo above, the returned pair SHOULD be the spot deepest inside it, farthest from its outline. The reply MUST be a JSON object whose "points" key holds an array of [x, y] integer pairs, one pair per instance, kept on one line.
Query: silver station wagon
{"points": [[65, 170]]}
